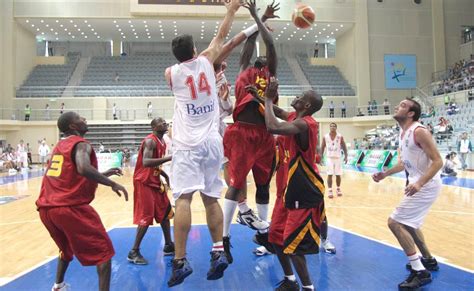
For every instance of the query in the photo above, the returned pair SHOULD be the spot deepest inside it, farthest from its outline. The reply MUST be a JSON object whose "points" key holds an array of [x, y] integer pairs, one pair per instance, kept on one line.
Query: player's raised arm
{"points": [[273, 125], [266, 36], [215, 47]]}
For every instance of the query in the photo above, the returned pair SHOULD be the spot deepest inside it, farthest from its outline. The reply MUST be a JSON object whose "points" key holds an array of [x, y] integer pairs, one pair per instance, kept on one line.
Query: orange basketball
{"points": [[303, 16]]}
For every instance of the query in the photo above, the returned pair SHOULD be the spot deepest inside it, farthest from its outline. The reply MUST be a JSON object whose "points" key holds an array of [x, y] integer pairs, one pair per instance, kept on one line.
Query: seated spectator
{"points": [[449, 166], [452, 108], [429, 114]]}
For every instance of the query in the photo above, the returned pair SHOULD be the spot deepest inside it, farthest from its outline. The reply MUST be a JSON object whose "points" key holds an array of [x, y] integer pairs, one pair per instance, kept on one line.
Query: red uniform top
{"points": [[62, 184], [297, 167], [251, 76], [147, 175]]}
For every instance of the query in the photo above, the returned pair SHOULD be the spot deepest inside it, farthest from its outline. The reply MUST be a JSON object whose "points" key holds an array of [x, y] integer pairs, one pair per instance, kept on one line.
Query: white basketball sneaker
{"points": [[328, 246], [252, 220]]}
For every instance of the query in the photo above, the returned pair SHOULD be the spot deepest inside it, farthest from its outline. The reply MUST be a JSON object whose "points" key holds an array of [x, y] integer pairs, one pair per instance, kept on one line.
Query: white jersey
{"points": [[333, 146], [414, 158], [196, 106]]}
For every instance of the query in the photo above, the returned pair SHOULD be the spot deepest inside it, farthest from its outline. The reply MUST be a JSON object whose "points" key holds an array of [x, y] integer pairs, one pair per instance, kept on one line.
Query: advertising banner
{"points": [[375, 158], [400, 71], [109, 160]]}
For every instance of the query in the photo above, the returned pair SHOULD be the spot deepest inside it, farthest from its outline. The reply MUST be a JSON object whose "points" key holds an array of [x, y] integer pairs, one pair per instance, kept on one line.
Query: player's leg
{"points": [[325, 242], [143, 213], [59, 284], [337, 163], [289, 282], [299, 262], [330, 193], [163, 214], [427, 259], [103, 271], [338, 185], [134, 256]]}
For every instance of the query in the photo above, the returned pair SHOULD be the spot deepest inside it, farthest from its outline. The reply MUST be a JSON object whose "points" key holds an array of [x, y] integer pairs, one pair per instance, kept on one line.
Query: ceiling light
{"points": [[69, 33], [95, 33], [276, 38], [85, 36], [73, 36], [131, 25], [52, 29], [287, 24], [47, 25], [57, 21], [82, 33], [329, 25], [174, 22], [149, 36], [324, 29], [41, 20], [288, 39], [284, 28], [37, 29], [32, 25], [115, 21], [320, 32], [75, 25], [162, 37], [202, 37], [56, 33], [327, 36], [332, 32], [27, 21], [146, 25], [42, 33], [119, 29], [144, 21], [78, 29], [124, 36], [57, 38], [202, 22], [146, 29], [337, 29], [61, 25], [129, 21], [159, 21], [117, 25], [88, 25], [92, 29], [136, 36], [342, 25], [71, 21], [133, 29], [98, 36], [301, 39]]}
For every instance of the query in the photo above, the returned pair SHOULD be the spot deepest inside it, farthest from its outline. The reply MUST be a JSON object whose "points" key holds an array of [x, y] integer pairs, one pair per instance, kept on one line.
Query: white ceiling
{"points": [[155, 30]]}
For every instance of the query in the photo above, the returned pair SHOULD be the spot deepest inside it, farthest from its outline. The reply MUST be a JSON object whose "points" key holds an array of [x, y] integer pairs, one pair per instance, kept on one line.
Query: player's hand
{"points": [[272, 89], [412, 189], [270, 11], [224, 91], [252, 7], [377, 177], [345, 160], [252, 90], [119, 189], [232, 5], [113, 171]]}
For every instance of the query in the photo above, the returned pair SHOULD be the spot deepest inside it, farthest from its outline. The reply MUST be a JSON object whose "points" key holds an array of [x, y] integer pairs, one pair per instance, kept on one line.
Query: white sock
{"points": [[218, 246], [310, 287], [291, 278], [415, 262], [262, 211], [243, 206], [229, 209], [59, 285]]}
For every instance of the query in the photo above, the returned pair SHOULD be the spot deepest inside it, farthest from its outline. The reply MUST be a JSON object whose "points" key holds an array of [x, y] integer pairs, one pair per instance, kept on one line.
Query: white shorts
{"points": [[413, 209], [43, 159], [334, 166], [198, 169]]}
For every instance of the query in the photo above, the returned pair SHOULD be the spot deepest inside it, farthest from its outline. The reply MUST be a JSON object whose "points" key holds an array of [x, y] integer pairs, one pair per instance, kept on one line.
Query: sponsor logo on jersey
{"points": [[194, 110]]}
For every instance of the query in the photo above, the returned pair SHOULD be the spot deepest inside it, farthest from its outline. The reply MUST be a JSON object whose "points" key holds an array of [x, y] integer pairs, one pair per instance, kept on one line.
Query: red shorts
{"points": [[149, 203], [249, 147], [296, 230], [78, 231]]}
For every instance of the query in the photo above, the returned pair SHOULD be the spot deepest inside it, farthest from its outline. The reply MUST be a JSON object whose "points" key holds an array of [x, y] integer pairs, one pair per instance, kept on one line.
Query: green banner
{"points": [[353, 157], [375, 158], [109, 160], [394, 160]]}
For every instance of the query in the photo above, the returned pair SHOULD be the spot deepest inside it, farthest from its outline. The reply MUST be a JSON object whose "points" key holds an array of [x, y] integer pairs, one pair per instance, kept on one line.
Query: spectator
{"points": [[114, 111], [430, 114], [446, 98], [464, 147], [117, 77], [369, 108], [150, 110], [448, 168], [452, 108], [374, 107], [343, 110], [43, 152], [62, 108], [27, 112], [430, 128], [386, 106], [22, 155], [331, 109], [47, 112], [101, 147], [28, 155]]}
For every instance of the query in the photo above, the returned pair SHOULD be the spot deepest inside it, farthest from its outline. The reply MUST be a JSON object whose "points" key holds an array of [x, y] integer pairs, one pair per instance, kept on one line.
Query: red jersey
{"points": [[298, 179], [62, 185], [251, 76], [146, 175]]}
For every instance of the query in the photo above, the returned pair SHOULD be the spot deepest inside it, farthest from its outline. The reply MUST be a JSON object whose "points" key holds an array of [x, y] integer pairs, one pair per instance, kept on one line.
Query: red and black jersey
{"points": [[147, 175], [251, 76], [298, 179], [62, 185]]}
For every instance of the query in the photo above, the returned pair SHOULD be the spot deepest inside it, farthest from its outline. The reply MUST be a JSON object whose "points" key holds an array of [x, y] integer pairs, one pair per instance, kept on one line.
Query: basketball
{"points": [[303, 16]]}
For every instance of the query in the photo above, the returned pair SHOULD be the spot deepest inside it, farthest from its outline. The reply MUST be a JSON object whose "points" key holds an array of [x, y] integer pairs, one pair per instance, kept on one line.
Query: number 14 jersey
{"points": [[196, 107]]}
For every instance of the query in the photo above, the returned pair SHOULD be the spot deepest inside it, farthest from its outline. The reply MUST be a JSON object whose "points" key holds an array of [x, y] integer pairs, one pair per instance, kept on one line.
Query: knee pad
{"points": [[263, 194]]}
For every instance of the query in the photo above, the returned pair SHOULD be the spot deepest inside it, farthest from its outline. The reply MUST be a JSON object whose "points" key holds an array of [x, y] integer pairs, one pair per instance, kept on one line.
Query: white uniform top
{"points": [[414, 158], [333, 146], [196, 109]]}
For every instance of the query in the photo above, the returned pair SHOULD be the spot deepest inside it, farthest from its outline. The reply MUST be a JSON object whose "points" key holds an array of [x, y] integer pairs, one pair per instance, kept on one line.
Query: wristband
{"points": [[250, 30]]}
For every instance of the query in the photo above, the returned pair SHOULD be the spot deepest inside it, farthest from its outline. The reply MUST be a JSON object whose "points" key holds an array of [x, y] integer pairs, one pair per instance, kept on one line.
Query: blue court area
{"points": [[360, 264], [450, 181], [20, 177]]}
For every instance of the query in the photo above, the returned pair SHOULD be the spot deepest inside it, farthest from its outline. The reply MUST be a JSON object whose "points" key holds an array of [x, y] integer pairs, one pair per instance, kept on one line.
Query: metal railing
{"points": [[159, 90]]}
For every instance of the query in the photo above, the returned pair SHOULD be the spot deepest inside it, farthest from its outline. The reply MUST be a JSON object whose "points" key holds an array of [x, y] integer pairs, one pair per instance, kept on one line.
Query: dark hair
{"points": [[183, 47], [332, 124], [65, 120], [416, 108], [260, 62]]}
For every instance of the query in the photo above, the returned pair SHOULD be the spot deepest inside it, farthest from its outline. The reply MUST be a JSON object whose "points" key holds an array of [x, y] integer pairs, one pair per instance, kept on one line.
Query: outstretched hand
{"points": [[270, 11], [252, 7], [119, 189], [232, 5], [272, 89]]}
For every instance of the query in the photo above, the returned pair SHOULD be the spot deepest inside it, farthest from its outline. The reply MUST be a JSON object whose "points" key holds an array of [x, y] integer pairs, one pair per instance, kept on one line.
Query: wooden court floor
{"points": [[364, 208]]}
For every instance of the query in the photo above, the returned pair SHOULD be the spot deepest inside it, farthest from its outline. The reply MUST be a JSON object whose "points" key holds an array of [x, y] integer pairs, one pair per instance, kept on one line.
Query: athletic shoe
{"points": [[262, 239], [252, 220], [239, 219], [287, 285], [65, 287], [168, 249], [136, 258], [328, 246], [218, 264], [181, 269], [261, 251], [430, 264], [227, 246], [330, 194], [415, 280], [338, 191]]}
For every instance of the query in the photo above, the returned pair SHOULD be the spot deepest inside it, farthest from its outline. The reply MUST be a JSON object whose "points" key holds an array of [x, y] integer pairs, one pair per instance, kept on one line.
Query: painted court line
{"points": [[389, 208]]}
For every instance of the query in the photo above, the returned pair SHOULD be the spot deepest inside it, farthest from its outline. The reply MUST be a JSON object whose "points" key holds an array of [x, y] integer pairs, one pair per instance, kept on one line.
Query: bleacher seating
{"points": [[327, 80], [56, 77], [117, 136]]}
